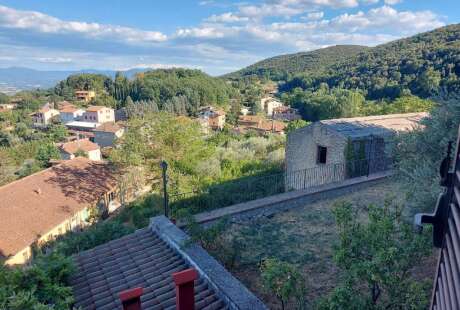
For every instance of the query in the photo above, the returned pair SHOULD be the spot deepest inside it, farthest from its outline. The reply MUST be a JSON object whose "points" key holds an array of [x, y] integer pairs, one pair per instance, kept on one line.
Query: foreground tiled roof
{"points": [[81, 144], [375, 125], [141, 259], [32, 206]]}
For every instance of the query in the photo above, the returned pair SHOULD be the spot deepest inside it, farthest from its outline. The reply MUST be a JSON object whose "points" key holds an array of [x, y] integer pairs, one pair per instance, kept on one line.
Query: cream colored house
{"points": [[85, 95], [99, 114], [44, 205], [268, 104], [44, 116], [70, 150]]}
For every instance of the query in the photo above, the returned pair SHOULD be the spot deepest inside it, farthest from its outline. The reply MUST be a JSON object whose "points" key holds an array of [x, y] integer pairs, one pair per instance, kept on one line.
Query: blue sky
{"points": [[217, 36]]}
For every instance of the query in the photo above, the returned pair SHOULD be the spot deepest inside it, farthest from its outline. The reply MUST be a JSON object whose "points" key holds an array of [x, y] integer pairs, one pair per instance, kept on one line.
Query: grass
{"points": [[305, 237]]}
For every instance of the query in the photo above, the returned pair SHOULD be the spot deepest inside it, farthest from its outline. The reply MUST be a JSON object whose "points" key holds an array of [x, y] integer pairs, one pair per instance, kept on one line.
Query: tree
{"points": [[296, 124], [45, 153], [284, 281], [419, 154], [376, 256]]}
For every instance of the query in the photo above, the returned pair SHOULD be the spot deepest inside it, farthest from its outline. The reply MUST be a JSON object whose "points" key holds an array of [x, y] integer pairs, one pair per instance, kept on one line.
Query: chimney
{"points": [[185, 288], [131, 299]]}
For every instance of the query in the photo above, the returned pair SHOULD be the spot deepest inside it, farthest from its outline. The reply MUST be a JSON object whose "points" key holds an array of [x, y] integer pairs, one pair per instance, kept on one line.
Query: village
{"points": [[83, 184], [208, 155]]}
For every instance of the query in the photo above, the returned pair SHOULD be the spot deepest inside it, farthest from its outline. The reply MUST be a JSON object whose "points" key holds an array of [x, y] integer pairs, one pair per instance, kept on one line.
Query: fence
{"points": [[255, 187]]}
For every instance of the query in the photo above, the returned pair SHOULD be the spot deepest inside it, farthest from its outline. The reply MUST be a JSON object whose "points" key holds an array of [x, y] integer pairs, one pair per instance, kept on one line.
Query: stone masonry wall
{"points": [[301, 153]]}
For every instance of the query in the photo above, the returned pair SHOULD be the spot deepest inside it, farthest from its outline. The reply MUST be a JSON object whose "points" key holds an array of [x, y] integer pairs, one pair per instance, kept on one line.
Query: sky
{"points": [[216, 36]]}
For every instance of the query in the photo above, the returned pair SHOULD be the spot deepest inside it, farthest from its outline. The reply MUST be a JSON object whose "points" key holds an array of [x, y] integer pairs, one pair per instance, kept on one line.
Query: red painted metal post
{"points": [[131, 299], [185, 289]]}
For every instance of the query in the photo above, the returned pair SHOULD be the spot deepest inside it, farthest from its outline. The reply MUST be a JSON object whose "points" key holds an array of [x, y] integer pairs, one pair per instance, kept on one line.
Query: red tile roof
{"points": [[82, 144], [108, 127], [34, 205], [95, 108], [141, 259]]}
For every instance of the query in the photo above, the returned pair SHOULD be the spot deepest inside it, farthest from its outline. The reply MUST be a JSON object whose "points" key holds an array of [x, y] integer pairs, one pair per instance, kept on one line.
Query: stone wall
{"points": [[279, 203], [301, 154]]}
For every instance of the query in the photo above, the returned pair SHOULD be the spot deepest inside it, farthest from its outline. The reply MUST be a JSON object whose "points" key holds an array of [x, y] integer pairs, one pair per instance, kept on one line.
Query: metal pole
{"points": [[164, 167]]}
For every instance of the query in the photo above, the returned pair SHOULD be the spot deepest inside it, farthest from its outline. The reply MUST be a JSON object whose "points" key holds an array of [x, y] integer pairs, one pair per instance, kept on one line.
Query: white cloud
{"points": [[200, 32], [392, 2], [315, 15], [42, 23], [386, 18], [228, 17], [54, 60]]}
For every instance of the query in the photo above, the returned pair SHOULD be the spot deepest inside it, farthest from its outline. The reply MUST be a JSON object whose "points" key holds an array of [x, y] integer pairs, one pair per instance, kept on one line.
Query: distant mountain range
{"points": [[17, 78]]}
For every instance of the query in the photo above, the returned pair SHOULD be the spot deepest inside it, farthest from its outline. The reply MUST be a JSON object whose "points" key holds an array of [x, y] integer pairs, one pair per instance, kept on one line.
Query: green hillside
{"points": [[279, 67], [426, 64]]}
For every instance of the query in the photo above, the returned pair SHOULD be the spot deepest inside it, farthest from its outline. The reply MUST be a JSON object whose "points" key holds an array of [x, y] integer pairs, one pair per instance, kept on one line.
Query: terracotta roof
{"points": [[95, 108], [141, 259], [108, 127], [33, 205], [375, 125], [68, 109], [82, 144]]}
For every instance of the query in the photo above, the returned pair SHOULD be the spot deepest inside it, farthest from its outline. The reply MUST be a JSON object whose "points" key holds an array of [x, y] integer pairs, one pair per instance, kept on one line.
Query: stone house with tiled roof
{"points": [[70, 149], [153, 266], [46, 204], [106, 134], [44, 116], [361, 142], [215, 118], [69, 113]]}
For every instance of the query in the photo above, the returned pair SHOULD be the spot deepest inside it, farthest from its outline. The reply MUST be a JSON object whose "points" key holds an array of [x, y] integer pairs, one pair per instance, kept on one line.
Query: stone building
{"points": [[332, 150], [70, 150], [106, 134], [44, 116]]}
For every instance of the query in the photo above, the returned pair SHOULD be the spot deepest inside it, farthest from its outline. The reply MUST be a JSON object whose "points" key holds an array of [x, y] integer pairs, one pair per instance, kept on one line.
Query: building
{"points": [[259, 125], [284, 113], [70, 113], [150, 268], [446, 231], [80, 126], [7, 107], [214, 117], [46, 204], [70, 150], [99, 114], [85, 95], [106, 134], [44, 116], [245, 111], [356, 146], [267, 104]]}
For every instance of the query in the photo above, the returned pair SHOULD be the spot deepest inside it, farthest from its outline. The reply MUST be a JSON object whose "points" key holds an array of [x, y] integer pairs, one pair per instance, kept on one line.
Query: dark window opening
{"points": [[322, 155]]}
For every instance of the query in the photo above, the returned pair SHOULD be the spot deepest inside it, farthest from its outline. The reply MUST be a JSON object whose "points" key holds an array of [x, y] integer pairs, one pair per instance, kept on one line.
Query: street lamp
{"points": [[164, 168]]}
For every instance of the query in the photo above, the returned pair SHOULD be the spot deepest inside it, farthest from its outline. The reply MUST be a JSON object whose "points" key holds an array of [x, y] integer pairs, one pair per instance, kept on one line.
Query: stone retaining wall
{"points": [[281, 202]]}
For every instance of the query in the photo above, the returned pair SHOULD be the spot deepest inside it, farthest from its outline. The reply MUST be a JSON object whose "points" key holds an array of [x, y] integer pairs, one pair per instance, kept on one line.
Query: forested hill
{"points": [[277, 68], [425, 64], [181, 91]]}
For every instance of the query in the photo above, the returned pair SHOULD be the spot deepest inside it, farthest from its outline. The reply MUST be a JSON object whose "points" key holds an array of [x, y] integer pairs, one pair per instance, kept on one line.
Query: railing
{"points": [[255, 187]]}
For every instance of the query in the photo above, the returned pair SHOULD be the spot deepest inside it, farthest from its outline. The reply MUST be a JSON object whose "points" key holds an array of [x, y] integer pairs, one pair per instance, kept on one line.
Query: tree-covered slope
{"points": [[426, 64], [279, 67], [177, 90]]}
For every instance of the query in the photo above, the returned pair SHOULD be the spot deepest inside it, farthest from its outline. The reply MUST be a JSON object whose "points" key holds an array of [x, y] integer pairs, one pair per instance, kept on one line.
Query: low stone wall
{"points": [[281, 202]]}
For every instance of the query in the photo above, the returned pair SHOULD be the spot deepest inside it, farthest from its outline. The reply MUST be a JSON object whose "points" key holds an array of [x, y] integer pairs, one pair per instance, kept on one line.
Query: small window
{"points": [[322, 155]]}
